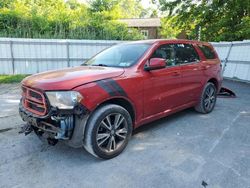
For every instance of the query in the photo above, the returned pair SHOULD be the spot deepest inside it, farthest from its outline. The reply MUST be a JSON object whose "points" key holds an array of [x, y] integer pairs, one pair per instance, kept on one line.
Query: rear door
{"points": [[211, 65], [192, 76], [211, 58]]}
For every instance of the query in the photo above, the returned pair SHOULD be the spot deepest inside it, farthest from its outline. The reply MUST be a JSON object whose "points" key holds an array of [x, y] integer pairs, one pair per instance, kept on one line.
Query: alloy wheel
{"points": [[210, 98], [112, 132]]}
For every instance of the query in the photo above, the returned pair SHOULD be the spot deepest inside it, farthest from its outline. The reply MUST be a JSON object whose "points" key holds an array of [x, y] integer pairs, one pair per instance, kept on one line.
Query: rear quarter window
{"points": [[207, 51]]}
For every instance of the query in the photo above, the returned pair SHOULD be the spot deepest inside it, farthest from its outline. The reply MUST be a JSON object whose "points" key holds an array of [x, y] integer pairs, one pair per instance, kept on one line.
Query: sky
{"points": [[145, 3]]}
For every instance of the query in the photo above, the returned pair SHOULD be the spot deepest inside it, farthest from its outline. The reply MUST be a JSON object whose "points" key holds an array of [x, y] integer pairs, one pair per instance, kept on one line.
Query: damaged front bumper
{"points": [[57, 124]]}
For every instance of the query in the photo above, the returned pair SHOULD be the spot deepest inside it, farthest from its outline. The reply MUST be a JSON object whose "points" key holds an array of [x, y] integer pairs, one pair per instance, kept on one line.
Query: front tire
{"points": [[108, 131], [208, 99]]}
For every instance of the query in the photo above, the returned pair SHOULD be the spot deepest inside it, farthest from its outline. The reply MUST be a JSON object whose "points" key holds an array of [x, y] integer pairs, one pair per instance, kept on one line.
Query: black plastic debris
{"points": [[204, 184], [225, 92], [26, 129]]}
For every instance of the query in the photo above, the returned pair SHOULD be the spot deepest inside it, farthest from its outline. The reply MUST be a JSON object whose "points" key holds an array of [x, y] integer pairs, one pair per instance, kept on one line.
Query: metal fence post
{"points": [[226, 59], [12, 57], [68, 58]]}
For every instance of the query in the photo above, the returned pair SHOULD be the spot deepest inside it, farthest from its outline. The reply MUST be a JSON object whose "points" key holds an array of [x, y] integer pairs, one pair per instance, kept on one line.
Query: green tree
{"points": [[130, 9], [219, 20], [169, 29]]}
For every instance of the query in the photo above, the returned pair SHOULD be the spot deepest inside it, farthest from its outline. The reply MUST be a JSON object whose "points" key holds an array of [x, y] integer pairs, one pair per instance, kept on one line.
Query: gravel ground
{"points": [[181, 150]]}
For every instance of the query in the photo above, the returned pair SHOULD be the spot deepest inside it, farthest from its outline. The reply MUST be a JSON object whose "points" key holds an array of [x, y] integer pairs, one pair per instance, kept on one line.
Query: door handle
{"points": [[176, 73], [205, 67]]}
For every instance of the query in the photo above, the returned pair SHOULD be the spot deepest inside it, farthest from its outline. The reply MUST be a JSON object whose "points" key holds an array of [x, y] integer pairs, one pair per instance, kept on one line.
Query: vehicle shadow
{"points": [[165, 121], [80, 154]]}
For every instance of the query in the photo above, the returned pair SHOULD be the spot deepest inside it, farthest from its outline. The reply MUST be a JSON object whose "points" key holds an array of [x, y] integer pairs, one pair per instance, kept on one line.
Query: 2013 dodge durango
{"points": [[98, 104]]}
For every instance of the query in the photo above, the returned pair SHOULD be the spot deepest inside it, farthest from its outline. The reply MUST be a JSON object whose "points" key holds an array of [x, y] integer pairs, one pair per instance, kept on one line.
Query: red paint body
{"points": [[152, 94]]}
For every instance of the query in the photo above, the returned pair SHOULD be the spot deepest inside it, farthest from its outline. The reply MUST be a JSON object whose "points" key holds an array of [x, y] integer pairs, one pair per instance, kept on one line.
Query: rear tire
{"points": [[108, 131], [208, 99]]}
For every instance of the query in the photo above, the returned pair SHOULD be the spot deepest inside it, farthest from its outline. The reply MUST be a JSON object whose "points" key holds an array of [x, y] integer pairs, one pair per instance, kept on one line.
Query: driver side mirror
{"points": [[155, 63]]}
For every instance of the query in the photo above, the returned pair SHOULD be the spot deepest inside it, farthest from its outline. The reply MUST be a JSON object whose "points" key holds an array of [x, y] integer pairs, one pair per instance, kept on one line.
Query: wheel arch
{"points": [[215, 82], [123, 102]]}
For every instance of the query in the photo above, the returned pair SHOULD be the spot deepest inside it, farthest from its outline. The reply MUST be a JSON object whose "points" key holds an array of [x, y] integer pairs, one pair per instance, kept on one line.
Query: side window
{"points": [[185, 53], [166, 52], [207, 51]]}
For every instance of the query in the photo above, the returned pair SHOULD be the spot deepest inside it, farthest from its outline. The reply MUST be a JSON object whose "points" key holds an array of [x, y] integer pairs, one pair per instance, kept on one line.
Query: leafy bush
{"points": [[12, 78], [62, 19]]}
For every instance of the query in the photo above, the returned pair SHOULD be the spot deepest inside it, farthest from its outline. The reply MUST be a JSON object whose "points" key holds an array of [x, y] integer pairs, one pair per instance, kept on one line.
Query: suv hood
{"points": [[69, 78]]}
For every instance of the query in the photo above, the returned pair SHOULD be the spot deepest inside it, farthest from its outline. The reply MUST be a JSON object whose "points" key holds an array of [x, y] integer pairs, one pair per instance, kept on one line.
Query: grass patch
{"points": [[4, 79]]}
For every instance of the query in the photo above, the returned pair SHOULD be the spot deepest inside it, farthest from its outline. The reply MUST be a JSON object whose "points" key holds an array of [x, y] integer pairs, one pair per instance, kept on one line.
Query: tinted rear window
{"points": [[185, 53], [207, 51]]}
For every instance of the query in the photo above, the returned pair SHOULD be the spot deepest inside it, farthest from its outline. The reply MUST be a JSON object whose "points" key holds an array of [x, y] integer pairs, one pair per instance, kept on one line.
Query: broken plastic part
{"points": [[26, 129], [225, 92], [52, 141], [66, 127]]}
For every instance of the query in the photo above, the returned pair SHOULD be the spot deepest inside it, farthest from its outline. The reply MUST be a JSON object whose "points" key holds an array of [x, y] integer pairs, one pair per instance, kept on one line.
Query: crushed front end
{"points": [[51, 116]]}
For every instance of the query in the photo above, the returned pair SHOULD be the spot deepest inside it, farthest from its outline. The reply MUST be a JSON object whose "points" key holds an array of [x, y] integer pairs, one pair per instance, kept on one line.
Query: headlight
{"points": [[64, 99]]}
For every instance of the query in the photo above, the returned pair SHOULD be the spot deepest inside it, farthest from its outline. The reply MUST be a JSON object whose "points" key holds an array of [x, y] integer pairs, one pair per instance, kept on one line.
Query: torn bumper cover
{"points": [[57, 124]]}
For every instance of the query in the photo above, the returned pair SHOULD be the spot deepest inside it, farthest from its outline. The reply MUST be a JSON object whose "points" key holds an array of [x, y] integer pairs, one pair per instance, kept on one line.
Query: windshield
{"points": [[123, 55]]}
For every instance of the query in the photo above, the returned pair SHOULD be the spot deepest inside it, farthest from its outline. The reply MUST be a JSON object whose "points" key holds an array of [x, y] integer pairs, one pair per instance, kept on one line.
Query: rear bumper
{"points": [[67, 125]]}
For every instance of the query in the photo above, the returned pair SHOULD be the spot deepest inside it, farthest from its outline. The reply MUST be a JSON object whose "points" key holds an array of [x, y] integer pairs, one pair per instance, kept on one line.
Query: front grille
{"points": [[34, 101], [35, 95]]}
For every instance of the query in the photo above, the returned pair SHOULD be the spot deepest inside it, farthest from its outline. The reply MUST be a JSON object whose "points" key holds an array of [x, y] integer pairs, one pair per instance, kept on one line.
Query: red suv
{"points": [[98, 104]]}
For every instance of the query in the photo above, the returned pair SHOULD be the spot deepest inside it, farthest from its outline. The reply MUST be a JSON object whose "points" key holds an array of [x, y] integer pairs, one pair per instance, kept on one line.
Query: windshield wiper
{"points": [[101, 65]]}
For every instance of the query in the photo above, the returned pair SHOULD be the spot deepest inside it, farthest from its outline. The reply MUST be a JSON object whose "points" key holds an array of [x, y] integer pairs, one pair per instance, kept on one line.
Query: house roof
{"points": [[142, 22]]}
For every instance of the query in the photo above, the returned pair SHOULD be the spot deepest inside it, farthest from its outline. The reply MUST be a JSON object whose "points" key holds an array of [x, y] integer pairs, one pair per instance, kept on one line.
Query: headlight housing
{"points": [[64, 99]]}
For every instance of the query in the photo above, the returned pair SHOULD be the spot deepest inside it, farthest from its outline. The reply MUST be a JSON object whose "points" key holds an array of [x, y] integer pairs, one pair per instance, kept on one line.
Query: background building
{"points": [[149, 27]]}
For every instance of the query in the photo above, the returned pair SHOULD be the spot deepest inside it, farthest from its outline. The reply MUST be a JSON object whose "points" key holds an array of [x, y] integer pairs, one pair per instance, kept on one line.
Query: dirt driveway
{"points": [[178, 151]]}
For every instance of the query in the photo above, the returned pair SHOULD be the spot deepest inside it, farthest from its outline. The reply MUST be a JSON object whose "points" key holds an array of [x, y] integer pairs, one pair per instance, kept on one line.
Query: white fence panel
{"points": [[240, 56], [235, 57], [29, 56]]}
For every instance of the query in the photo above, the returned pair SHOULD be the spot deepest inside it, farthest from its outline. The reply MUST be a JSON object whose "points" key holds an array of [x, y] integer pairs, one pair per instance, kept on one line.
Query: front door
{"points": [[162, 87]]}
